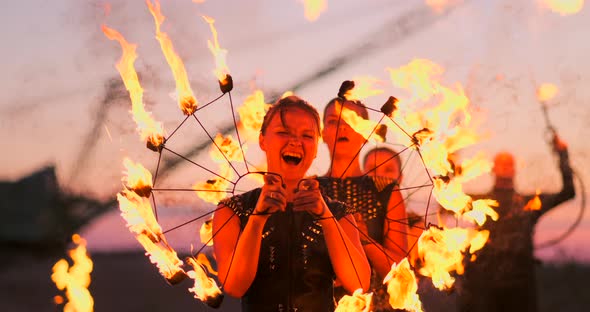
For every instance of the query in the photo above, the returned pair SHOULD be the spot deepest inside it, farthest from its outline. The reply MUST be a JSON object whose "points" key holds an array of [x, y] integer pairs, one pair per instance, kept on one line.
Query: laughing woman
{"points": [[280, 247]]}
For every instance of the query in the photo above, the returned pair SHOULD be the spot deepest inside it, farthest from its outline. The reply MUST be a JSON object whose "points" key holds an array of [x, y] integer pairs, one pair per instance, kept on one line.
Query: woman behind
{"points": [[380, 204], [280, 247]]}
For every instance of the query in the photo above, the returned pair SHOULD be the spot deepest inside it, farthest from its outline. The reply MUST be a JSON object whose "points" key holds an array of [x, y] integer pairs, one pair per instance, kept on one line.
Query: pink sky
{"points": [[57, 61]]}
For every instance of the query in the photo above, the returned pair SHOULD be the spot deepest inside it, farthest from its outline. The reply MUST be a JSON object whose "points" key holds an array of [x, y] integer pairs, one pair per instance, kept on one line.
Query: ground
{"points": [[129, 282]]}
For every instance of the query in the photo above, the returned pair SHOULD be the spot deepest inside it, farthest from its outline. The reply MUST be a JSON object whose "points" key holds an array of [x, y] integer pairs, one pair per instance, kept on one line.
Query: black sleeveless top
{"points": [[294, 269], [369, 196]]}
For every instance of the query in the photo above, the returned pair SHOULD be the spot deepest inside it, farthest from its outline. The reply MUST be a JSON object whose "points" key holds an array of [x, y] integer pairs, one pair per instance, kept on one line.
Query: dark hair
{"points": [[364, 111], [283, 105], [389, 150]]}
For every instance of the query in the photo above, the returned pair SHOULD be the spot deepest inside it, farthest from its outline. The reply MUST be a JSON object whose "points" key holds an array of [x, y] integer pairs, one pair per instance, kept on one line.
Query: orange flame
{"points": [[75, 279], [137, 178], [137, 212], [402, 287], [364, 127], [546, 92], [252, 112], [534, 203], [186, 99], [214, 190], [564, 7], [228, 146], [206, 232], [364, 87], [357, 302], [164, 257], [314, 8], [441, 251], [204, 287], [221, 71], [150, 130]]}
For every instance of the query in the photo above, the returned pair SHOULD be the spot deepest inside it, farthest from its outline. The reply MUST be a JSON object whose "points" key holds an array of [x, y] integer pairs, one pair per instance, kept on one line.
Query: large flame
{"points": [[221, 70], [186, 99], [402, 287], [204, 287], [358, 302], [75, 279], [149, 130], [441, 252], [564, 7], [314, 8]]}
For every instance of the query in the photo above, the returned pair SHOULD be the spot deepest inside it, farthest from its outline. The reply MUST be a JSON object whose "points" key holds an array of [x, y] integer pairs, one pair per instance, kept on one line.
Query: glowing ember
{"points": [[402, 287], [186, 99], [75, 279], [357, 302], [313, 8], [546, 92], [534, 203], [137, 178], [204, 288], [441, 252], [564, 7], [150, 130], [221, 70]]}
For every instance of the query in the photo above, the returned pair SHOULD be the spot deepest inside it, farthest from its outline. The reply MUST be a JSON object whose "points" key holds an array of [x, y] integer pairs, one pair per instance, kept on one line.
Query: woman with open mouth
{"points": [[280, 247]]}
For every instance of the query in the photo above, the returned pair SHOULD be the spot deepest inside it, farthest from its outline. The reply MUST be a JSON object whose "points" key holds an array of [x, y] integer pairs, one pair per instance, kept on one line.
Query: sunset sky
{"points": [[57, 67]]}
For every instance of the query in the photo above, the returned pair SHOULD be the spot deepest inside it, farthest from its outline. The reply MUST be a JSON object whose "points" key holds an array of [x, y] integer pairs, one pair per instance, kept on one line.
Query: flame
{"points": [[564, 7], [186, 99], [357, 302], [546, 92], [137, 212], [364, 87], [150, 130], [534, 203], [75, 279], [252, 112], [204, 287], [206, 232], [402, 287], [163, 256], [441, 252], [221, 71], [231, 149], [314, 8], [137, 178], [214, 190], [364, 127]]}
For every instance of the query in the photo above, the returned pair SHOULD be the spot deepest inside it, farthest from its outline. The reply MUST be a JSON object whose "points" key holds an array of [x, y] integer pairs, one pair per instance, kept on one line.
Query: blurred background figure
{"points": [[502, 278]]}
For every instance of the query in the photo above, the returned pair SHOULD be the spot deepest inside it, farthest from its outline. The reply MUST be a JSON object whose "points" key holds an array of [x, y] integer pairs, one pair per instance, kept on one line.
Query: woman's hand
{"points": [[309, 198], [272, 197]]}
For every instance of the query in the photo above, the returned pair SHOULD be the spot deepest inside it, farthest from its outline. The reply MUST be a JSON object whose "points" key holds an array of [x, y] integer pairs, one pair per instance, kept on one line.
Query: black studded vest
{"points": [[294, 269]]}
